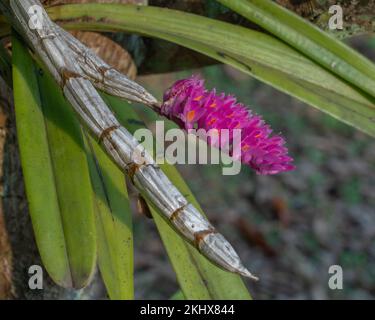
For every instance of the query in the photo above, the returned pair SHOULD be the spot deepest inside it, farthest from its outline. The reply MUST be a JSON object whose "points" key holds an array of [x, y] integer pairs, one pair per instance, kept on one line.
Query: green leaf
{"points": [[198, 278], [37, 168], [178, 296], [113, 224], [309, 39], [257, 54], [72, 180], [56, 174]]}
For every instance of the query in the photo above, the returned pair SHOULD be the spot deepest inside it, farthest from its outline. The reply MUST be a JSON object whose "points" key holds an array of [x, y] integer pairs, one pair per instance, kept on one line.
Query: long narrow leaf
{"points": [[309, 39], [255, 53], [37, 168], [113, 223], [72, 180], [56, 175]]}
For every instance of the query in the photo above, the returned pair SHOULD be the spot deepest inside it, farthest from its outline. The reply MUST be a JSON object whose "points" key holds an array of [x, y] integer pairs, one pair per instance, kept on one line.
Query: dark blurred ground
{"points": [[290, 228]]}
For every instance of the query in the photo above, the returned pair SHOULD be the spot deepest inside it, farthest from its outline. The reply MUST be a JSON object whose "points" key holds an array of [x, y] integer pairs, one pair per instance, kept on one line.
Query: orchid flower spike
{"points": [[188, 103]]}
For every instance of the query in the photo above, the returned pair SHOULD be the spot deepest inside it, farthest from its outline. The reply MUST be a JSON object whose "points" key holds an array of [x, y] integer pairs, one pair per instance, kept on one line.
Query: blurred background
{"points": [[289, 228]]}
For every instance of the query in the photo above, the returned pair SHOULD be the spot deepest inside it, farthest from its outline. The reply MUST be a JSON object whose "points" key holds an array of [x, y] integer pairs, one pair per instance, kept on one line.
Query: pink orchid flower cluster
{"points": [[192, 106]]}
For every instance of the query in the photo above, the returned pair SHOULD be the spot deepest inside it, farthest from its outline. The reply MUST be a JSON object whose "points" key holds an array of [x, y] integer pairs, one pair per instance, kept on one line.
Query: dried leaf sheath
{"points": [[50, 46]]}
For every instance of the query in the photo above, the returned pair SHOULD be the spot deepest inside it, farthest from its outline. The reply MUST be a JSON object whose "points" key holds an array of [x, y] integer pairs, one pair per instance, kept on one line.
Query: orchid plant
{"points": [[76, 142]]}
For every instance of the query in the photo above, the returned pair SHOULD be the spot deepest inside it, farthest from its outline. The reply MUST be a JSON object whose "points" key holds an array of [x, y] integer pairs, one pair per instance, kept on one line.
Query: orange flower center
{"points": [[213, 120], [190, 115], [245, 148]]}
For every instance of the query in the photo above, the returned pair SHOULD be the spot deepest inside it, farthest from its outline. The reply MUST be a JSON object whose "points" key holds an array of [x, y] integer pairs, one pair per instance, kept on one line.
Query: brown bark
{"points": [[5, 250], [109, 51]]}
